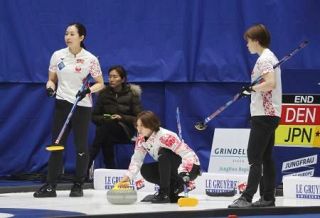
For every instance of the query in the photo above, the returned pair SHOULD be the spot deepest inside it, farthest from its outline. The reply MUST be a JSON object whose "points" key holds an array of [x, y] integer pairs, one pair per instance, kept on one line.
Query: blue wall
{"points": [[183, 53]]}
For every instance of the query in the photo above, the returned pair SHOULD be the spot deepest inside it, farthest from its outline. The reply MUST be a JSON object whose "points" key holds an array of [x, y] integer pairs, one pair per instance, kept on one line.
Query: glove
{"points": [[50, 92], [83, 93], [246, 91], [185, 176], [192, 175]]}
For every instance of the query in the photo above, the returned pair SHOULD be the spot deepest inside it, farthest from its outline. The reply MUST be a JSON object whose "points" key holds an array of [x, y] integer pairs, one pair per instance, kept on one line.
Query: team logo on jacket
{"points": [[61, 65], [140, 184], [168, 140]]}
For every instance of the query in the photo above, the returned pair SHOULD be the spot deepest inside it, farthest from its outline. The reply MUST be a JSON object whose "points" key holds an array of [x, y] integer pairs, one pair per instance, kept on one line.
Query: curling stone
{"points": [[122, 195]]}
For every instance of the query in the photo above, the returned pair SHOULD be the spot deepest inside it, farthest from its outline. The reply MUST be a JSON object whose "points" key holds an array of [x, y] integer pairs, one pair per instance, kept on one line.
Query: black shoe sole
{"points": [[76, 195], [44, 196], [264, 205], [160, 202], [163, 201]]}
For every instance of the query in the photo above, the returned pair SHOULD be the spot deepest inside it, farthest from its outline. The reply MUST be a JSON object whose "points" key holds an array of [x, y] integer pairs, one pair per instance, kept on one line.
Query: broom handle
{"points": [[72, 110]]}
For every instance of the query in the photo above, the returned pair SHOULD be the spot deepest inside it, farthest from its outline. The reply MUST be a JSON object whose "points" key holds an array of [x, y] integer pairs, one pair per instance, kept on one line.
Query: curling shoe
{"points": [[76, 190], [264, 203], [161, 197], [241, 202], [46, 191], [174, 198], [175, 191], [178, 189]]}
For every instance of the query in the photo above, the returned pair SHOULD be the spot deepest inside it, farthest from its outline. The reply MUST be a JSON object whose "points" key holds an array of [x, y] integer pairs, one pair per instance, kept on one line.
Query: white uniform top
{"points": [[266, 103], [71, 71], [166, 139]]}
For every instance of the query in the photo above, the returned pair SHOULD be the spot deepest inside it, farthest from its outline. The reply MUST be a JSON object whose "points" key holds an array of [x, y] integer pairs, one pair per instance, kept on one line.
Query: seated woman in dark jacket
{"points": [[114, 115]]}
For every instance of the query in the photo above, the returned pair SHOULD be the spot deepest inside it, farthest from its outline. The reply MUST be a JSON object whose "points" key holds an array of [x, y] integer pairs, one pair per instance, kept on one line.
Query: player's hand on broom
{"points": [[50, 92], [83, 93], [50, 88], [246, 91], [185, 177]]}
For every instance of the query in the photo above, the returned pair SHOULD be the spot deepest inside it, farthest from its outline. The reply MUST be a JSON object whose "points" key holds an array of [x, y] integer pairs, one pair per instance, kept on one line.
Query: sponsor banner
{"points": [[300, 114], [229, 152], [300, 162], [105, 179], [296, 160], [218, 183], [302, 136], [301, 187], [309, 173]]}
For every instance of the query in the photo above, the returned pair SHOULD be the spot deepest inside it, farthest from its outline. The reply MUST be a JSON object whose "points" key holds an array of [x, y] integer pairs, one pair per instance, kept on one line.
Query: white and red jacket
{"points": [[161, 139], [266, 103], [71, 70]]}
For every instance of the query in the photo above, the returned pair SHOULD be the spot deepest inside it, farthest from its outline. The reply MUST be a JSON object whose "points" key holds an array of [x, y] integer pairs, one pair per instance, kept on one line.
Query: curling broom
{"points": [[185, 201], [202, 125], [57, 146]]}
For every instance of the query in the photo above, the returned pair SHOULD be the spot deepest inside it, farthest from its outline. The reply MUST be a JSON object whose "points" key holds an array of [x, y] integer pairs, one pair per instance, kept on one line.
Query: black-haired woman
{"points": [[114, 115], [68, 68]]}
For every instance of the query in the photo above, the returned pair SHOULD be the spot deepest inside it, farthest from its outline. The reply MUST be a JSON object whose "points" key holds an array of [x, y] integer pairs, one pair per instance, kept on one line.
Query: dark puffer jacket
{"points": [[125, 103]]}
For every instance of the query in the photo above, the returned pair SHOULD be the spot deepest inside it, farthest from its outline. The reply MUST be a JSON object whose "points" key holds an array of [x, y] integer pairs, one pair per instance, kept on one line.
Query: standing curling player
{"points": [[67, 71], [176, 163], [265, 109]]}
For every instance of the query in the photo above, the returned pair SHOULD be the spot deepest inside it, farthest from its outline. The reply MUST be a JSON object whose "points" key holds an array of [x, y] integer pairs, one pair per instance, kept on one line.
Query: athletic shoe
{"points": [[161, 197], [174, 198], [46, 191], [263, 203], [240, 203], [76, 190]]}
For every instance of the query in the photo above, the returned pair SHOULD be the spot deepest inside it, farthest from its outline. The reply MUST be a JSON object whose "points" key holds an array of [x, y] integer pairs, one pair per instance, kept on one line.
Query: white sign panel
{"points": [[105, 179], [229, 152], [301, 187]]}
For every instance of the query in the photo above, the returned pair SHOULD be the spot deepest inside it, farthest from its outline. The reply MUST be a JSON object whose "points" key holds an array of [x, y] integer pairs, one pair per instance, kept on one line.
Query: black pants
{"points": [[107, 135], [165, 172], [260, 147], [79, 123]]}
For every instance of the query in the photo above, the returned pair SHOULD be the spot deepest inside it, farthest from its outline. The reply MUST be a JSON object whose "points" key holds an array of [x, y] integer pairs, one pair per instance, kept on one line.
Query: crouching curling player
{"points": [[176, 163]]}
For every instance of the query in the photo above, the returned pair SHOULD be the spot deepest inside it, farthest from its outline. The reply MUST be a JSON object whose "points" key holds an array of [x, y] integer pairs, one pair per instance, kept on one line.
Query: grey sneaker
{"points": [[240, 203], [263, 203]]}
